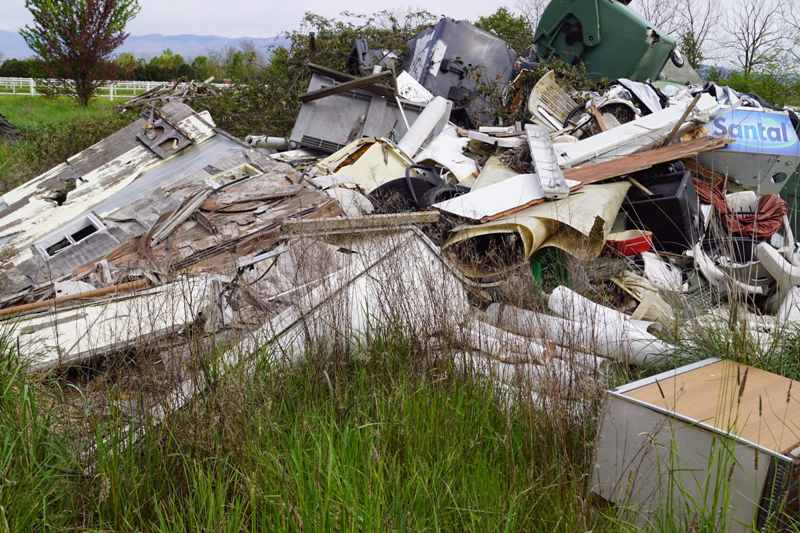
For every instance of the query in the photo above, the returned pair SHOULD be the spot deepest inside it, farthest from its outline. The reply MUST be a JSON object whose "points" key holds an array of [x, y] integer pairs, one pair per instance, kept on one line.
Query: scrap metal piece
{"points": [[329, 124], [162, 138], [546, 162]]}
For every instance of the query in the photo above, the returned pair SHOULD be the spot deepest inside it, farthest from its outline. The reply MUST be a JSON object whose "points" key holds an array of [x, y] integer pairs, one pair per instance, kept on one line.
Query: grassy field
{"points": [[383, 439], [52, 130], [28, 112]]}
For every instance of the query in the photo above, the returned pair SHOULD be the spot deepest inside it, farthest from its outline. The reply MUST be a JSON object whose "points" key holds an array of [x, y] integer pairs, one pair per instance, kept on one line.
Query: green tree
{"points": [[514, 29], [168, 65], [204, 68], [126, 66], [75, 40]]}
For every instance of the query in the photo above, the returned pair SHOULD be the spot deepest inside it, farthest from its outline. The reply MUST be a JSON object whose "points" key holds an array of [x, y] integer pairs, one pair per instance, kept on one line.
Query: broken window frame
{"points": [[68, 235]]}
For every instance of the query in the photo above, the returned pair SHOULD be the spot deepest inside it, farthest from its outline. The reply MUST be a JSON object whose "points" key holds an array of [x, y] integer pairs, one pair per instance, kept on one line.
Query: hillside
{"points": [[147, 46]]}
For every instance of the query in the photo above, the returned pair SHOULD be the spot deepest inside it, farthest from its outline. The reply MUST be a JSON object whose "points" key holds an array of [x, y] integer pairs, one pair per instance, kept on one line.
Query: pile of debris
{"points": [[178, 91], [398, 199]]}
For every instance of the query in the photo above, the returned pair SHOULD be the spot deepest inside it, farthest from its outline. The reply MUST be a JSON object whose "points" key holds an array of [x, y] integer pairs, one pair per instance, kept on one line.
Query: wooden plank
{"points": [[116, 289], [356, 223], [764, 410], [358, 83], [629, 164]]}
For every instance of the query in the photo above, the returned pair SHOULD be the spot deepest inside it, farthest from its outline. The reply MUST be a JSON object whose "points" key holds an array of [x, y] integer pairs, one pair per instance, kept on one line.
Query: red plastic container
{"points": [[632, 242]]}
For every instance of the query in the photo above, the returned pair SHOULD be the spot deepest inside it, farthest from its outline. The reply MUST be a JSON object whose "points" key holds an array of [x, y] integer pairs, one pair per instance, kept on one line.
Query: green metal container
{"points": [[606, 36]]}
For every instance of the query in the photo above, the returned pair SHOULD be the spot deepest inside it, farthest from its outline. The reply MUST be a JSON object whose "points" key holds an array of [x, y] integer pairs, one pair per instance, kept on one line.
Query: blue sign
{"points": [[756, 132]]}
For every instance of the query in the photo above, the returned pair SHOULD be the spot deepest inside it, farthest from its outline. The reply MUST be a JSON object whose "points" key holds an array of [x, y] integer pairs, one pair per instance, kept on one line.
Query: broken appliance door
{"points": [[454, 59], [765, 150], [671, 442], [331, 123]]}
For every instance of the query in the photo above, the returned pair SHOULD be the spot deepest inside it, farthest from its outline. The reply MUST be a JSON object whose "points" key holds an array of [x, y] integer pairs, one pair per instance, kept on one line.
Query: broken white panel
{"points": [[564, 339], [422, 50], [410, 89], [353, 203], [501, 142], [428, 125], [199, 127], [549, 103], [640, 134], [397, 280], [544, 158], [76, 333], [789, 311], [719, 279], [437, 56], [367, 163], [585, 331], [495, 199], [785, 273], [447, 150], [69, 287], [644, 92], [662, 275], [493, 171], [499, 130]]}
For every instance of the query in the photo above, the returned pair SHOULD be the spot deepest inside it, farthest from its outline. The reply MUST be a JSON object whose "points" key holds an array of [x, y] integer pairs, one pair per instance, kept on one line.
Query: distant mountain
{"points": [[147, 46]]}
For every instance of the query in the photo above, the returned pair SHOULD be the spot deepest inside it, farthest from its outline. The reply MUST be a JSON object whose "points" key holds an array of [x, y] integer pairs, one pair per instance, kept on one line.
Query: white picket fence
{"points": [[111, 90]]}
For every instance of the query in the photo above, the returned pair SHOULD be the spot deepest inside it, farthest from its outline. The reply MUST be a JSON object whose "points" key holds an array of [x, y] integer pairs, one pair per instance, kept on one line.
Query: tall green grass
{"points": [[387, 438], [37, 467]]}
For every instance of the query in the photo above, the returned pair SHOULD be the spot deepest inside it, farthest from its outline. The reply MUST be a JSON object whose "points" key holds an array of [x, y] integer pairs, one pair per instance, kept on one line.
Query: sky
{"points": [[250, 18]]}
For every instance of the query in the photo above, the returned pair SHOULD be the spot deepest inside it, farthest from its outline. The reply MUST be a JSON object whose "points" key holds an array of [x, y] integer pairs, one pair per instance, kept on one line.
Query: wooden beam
{"points": [[114, 289], [359, 223]]}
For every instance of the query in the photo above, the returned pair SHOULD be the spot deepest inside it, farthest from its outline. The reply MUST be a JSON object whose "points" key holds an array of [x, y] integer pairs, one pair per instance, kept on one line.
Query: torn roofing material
{"points": [[118, 189]]}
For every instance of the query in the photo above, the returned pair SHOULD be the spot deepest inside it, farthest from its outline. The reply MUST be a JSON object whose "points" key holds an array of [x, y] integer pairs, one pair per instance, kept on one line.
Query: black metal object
{"points": [[407, 193], [672, 213], [738, 248]]}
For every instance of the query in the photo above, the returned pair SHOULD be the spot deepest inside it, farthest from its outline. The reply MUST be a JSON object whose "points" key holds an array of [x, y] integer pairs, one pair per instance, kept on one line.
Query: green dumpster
{"points": [[607, 37]]}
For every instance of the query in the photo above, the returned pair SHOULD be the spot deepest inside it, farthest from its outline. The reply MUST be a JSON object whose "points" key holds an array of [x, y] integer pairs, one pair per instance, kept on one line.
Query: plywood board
{"points": [[642, 161], [765, 410]]}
